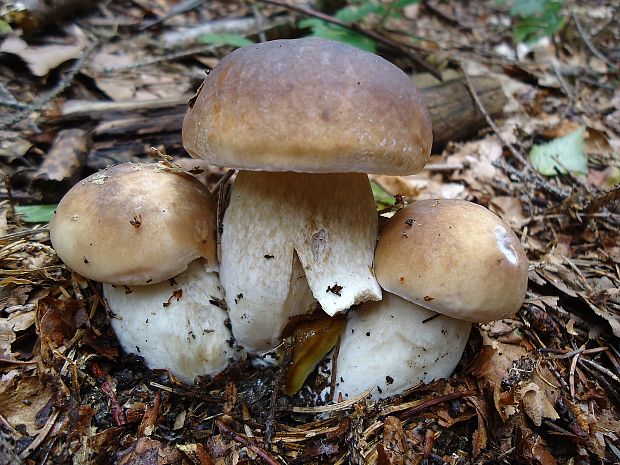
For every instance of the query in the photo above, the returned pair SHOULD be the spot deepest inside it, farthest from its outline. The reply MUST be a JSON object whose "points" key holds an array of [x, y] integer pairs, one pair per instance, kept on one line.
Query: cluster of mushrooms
{"points": [[303, 121]]}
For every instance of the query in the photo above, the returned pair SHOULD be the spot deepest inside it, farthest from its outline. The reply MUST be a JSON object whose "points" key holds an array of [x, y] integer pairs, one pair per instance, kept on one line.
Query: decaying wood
{"points": [[454, 112], [62, 167]]}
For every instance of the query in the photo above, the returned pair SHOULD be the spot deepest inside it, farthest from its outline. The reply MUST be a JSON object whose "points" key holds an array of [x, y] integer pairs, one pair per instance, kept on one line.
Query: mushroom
{"points": [[175, 324], [304, 120], [447, 256], [142, 225]]}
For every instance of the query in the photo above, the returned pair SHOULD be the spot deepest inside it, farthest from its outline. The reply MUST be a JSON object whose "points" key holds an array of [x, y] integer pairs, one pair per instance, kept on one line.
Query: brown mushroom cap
{"points": [[309, 105], [453, 257], [135, 224]]}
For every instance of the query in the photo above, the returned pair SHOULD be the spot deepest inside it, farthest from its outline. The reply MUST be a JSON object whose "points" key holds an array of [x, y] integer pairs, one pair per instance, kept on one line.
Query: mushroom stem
{"points": [[290, 238], [175, 324], [391, 345]]}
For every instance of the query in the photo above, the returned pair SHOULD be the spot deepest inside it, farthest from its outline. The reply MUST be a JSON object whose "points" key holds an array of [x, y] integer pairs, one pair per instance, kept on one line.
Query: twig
{"points": [[571, 375], [537, 181], [399, 47], [270, 421], [247, 443], [442, 15], [41, 436], [474, 95], [178, 9], [223, 180], [9, 195], [431, 402], [601, 369], [333, 379], [603, 200], [588, 42], [60, 87]]}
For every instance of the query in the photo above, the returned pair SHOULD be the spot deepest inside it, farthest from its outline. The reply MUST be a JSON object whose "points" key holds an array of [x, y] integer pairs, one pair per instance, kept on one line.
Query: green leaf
{"points": [[528, 8], [329, 31], [36, 213], [382, 197], [226, 39], [353, 14], [561, 155], [5, 27]]}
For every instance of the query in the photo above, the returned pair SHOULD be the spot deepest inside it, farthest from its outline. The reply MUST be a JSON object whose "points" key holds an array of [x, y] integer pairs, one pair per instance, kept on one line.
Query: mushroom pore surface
{"points": [[135, 224], [309, 105], [453, 257]]}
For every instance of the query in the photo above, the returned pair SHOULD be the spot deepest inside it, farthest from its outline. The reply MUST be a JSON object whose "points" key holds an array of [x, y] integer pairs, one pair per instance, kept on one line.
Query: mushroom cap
{"points": [[135, 224], [453, 257], [391, 345], [309, 105]]}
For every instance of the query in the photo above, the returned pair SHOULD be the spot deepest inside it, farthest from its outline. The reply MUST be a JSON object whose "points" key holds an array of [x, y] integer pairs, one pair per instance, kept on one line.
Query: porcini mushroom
{"points": [[142, 225], [306, 111], [447, 256]]}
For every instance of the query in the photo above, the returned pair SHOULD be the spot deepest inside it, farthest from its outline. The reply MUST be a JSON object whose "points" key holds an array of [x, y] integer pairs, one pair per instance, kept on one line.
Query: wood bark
{"points": [[454, 112]]}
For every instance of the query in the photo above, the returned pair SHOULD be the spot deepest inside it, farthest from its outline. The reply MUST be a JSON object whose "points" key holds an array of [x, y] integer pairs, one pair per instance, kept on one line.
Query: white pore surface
{"points": [[386, 347], [188, 337], [291, 236]]}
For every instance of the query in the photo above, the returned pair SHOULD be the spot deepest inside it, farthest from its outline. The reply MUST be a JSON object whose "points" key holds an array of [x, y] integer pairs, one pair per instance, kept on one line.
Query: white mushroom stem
{"points": [[280, 227], [387, 347], [173, 324]]}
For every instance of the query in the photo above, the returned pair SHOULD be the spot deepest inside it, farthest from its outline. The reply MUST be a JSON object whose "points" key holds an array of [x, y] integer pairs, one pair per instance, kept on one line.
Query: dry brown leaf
{"points": [[196, 453], [532, 447], [494, 364], [147, 451], [42, 59], [536, 404], [397, 447], [21, 399]]}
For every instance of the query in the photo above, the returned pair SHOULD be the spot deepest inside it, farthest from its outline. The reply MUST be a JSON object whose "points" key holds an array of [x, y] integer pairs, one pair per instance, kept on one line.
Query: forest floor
{"points": [[108, 85]]}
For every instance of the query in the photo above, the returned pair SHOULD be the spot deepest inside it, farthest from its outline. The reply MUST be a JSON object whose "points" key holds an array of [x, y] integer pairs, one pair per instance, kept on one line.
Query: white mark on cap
{"points": [[503, 242]]}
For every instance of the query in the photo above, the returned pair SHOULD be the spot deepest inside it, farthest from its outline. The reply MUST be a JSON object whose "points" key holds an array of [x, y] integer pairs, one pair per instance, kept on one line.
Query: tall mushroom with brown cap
{"points": [[307, 110], [137, 227], [447, 256]]}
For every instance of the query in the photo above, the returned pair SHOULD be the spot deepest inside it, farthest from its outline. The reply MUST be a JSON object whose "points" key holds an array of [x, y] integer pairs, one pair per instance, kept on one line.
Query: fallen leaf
{"points": [[21, 399], [42, 59], [147, 451], [561, 155], [536, 404]]}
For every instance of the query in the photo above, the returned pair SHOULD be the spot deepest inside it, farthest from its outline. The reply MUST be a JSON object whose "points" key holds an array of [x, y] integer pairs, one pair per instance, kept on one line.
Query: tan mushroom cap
{"points": [[453, 257], [309, 105], [135, 224]]}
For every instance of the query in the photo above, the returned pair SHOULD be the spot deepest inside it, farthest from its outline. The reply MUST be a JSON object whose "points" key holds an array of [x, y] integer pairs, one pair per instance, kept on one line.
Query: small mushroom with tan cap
{"points": [[305, 120], [447, 256], [137, 228]]}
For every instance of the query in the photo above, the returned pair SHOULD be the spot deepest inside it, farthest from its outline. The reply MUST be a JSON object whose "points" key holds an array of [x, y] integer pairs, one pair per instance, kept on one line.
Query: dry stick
{"points": [[604, 199], [589, 43], [9, 195], [437, 400], [600, 368], [247, 443], [270, 421], [333, 380], [399, 47], [62, 85]]}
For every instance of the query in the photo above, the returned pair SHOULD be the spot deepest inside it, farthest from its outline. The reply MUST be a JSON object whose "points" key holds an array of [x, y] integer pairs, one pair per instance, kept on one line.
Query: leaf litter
{"points": [[539, 388]]}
